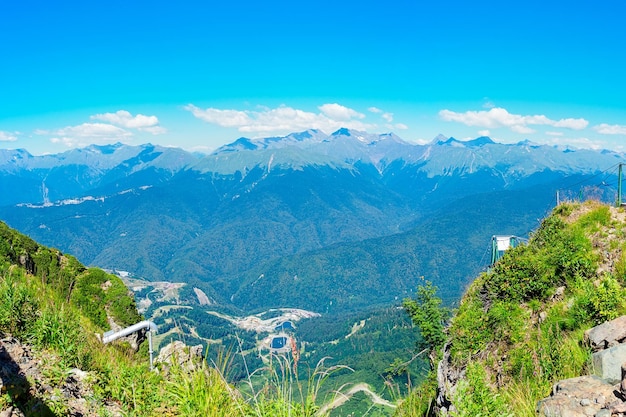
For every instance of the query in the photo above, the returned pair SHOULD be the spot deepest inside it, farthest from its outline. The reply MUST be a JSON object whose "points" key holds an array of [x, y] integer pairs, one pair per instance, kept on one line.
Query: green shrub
{"points": [[557, 255], [521, 276], [48, 267], [419, 401], [427, 313], [607, 300], [18, 304], [96, 291], [474, 396], [88, 295], [121, 303], [59, 329], [138, 390], [507, 322], [595, 304], [620, 266], [470, 327], [204, 393], [600, 216], [565, 209]]}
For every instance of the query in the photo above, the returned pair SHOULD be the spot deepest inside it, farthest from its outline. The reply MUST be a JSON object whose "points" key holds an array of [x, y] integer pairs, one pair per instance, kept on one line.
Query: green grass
{"points": [[512, 337], [64, 338], [57, 306], [420, 400]]}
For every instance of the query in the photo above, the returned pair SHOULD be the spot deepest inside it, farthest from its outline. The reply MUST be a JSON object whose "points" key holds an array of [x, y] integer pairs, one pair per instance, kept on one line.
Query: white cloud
{"points": [[8, 136], [94, 130], [568, 123], [155, 130], [607, 129], [401, 126], [125, 119], [525, 130], [69, 142], [485, 132], [582, 142], [338, 112], [224, 118], [554, 133], [571, 123], [421, 141], [86, 134], [283, 119], [388, 117], [499, 117]]}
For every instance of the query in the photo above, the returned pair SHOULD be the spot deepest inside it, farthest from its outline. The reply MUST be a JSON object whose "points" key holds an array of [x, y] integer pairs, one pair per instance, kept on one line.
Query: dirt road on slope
{"points": [[343, 397]]}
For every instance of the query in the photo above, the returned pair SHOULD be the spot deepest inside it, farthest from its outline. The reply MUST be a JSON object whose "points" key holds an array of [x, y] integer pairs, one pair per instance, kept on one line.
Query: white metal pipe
{"points": [[146, 324], [111, 335], [150, 349]]}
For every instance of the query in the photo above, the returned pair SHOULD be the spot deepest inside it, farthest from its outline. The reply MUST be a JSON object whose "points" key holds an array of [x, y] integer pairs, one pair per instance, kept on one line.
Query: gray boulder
{"points": [[585, 396], [606, 335], [607, 364], [178, 354]]}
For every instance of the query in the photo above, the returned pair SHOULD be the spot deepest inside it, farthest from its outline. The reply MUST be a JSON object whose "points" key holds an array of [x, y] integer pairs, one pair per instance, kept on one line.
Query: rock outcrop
{"points": [[585, 396], [596, 395], [606, 335], [23, 378], [448, 377], [188, 358], [134, 339]]}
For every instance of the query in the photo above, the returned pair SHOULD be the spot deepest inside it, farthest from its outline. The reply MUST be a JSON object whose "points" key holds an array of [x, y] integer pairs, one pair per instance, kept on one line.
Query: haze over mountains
{"points": [[323, 222]]}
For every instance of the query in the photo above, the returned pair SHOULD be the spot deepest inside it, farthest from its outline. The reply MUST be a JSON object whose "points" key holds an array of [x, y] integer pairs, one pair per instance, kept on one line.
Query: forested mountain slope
{"points": [[355, 204], [53, 312]]}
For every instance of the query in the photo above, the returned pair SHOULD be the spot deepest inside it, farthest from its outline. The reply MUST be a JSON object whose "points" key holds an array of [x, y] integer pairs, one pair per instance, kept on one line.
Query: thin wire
{"points": [[611, 174], [487, 250], [590, 178]]}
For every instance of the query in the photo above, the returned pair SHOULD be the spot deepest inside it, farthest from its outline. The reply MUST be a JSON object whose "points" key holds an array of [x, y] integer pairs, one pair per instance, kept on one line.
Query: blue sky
{"points": [[201, 74]]}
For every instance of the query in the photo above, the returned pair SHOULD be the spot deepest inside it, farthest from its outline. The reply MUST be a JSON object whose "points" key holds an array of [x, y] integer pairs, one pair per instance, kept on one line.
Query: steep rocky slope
{"points": [[53, 313], [520, 326]]}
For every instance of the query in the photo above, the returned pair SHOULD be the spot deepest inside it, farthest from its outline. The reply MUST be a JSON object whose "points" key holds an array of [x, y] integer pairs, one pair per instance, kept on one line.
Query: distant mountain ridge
{"points": [[349, 146], [269, 204], [81, 170], [76, 173]]}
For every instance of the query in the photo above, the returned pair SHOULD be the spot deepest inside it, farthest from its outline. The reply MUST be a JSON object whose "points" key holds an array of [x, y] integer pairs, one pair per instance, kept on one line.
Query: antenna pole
{"points": [[619, 185]]}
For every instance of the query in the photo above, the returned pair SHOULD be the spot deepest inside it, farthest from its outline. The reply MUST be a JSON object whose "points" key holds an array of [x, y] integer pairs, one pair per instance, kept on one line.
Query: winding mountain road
{"points": [[343, 397]]}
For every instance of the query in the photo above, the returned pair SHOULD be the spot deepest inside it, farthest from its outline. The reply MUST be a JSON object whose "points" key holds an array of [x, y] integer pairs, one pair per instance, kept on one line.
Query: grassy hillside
{"points": [[52, 363], [519, 328]]}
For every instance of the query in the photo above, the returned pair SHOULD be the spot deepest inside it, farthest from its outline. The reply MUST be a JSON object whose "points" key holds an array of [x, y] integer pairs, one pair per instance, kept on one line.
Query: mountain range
{"points": [[329, 223]]}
